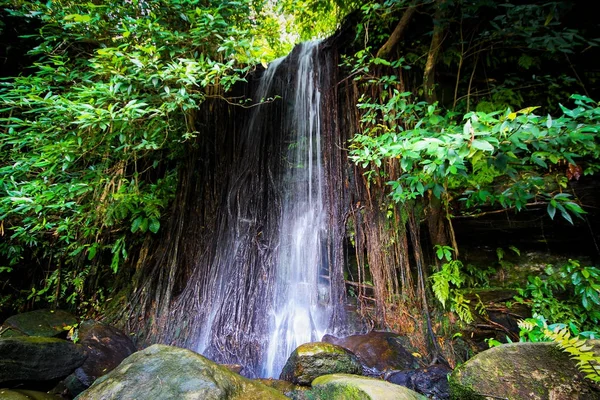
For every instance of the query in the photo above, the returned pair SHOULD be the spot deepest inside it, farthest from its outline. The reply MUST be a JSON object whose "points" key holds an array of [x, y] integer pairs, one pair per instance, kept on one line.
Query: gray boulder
{"points": [[166, 372], [311, 360], [30, 358], [532, 371]]}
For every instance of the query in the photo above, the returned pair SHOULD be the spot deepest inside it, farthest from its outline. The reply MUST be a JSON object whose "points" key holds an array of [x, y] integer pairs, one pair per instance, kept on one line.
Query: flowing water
{"points": [[267, 286], [300, 312]]}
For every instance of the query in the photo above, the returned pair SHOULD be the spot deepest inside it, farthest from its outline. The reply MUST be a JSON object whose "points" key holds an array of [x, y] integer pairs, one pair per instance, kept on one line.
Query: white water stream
{"points": [[300, 313]]}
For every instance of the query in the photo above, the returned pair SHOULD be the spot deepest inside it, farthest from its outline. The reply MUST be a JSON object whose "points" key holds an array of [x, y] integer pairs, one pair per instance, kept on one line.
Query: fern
{"points": [[450, 273], [587, 362], [461, 306], [440, 287]]}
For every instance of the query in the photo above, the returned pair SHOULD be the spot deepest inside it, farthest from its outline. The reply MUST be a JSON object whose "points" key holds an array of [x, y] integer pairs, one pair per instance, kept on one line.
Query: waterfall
{"points": [[264, 287], [300, 312]]}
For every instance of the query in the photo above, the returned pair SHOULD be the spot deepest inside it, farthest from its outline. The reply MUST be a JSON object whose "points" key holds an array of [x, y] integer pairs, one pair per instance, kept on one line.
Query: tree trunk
{"points": [[434, 49]]}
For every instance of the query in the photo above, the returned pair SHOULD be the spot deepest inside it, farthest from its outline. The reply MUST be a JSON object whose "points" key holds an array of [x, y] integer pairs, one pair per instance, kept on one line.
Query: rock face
{"points": [[521, 371], [378, 350], [45, 323], [106, 347], [311, 360], [38, 358], [431, 381], [352, 387], [166, 372]]}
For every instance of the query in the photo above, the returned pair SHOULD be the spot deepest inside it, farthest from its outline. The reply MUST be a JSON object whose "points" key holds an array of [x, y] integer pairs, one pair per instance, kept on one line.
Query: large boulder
{"points": [[166, 372], [517, 371], [106, 347], [311, 360], [30, 358], [352, 387], [431, 381], [47, 323], [378, 350]]}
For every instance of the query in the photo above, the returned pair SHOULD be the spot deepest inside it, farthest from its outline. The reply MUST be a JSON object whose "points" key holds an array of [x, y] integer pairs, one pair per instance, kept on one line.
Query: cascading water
{"points": [[266, 288], [300, 313]]}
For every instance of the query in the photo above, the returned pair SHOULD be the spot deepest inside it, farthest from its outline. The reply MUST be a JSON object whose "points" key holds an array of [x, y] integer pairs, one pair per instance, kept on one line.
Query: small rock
{"points": [[352, 387], [379, 350], [533, 371], [46, 323], [430, 381], [167, 372], [311, 360], [30, 358]]}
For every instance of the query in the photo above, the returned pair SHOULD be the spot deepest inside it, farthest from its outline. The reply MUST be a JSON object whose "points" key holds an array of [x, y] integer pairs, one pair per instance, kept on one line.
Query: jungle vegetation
{"points": [[457, 108]]}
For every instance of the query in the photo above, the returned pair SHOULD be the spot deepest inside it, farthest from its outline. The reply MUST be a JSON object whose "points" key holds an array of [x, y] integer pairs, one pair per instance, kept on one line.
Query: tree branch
{"points": [[397, 34]]}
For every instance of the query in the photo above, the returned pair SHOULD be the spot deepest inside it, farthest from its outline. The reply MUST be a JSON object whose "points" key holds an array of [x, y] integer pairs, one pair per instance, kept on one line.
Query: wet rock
{"points": [[521, 371], [30, 358], [18, 394], [379, 350], [430, 381], [311, 360], [46, 323], [166, 372], [106, 347], [352, 387]]}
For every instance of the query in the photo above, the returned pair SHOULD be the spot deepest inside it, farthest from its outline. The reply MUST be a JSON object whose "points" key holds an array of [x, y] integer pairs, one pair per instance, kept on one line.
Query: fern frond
{"points": [[587, 362]]}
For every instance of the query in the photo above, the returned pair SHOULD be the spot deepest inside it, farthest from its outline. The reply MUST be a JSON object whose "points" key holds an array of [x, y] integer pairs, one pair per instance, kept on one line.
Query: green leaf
{"points": [[92, 251], [137, 223], [482, 145], [566, 216], [154, 225], [551, 210]]}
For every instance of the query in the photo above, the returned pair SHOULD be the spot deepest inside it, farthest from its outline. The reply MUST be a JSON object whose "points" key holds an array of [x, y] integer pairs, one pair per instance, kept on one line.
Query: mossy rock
{"points": [[312, 360], [353, 387], [167, 372], [46, 323], [532, 371], [18, 394]]}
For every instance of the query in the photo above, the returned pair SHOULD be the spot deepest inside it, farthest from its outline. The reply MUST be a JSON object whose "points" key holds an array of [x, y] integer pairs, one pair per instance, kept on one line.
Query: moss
{"points": [[519, 370], [335, 392], [462, 391], [354, 387]]}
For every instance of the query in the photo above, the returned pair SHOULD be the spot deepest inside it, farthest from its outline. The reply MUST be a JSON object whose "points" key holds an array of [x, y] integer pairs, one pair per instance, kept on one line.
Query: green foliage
{"points": [[446, 284], [587, 362], [91, 134], [510, 159], [569, 293], [567, 337]]}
